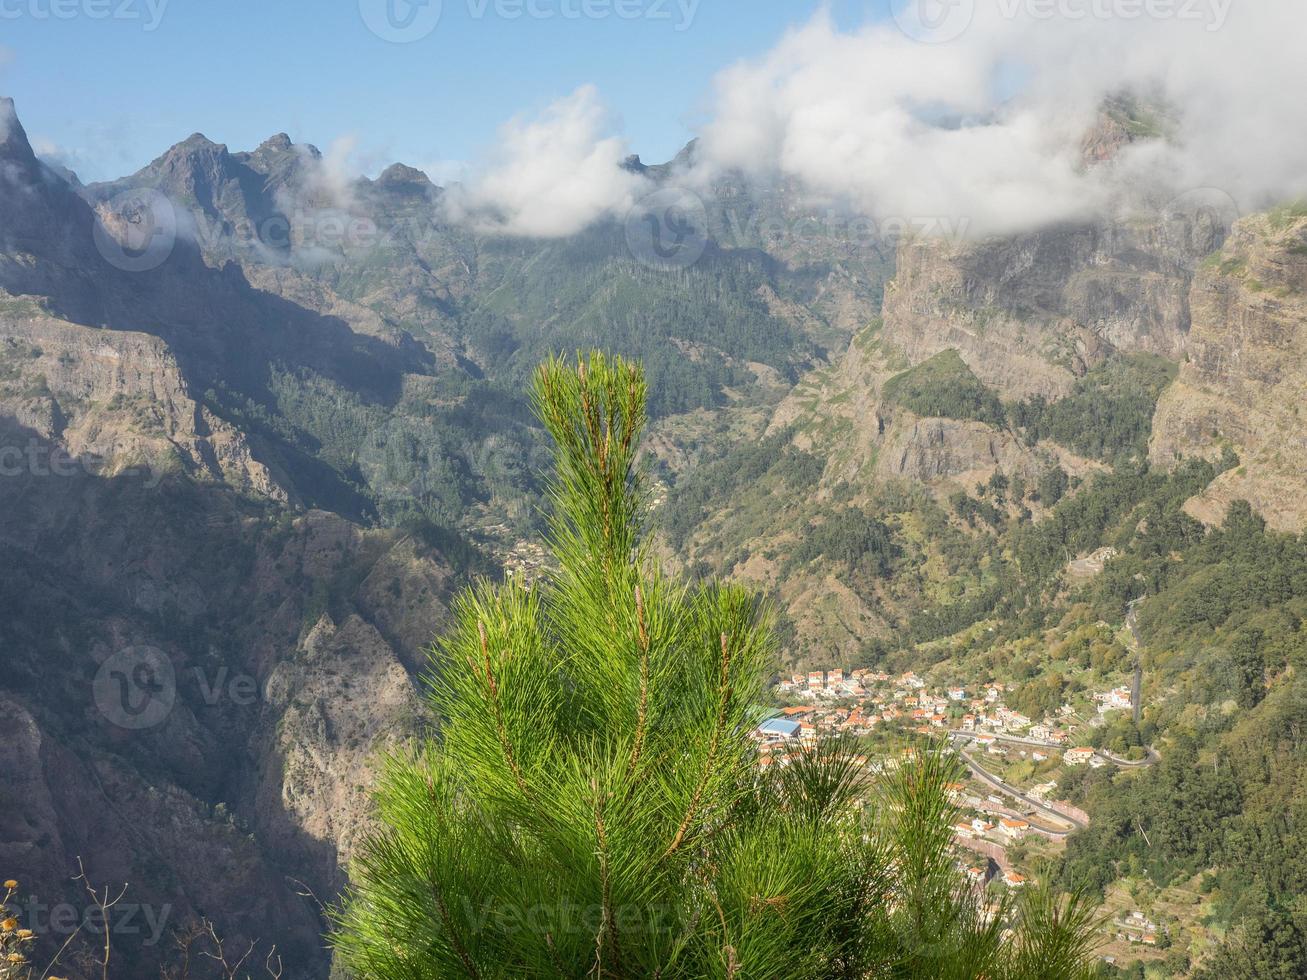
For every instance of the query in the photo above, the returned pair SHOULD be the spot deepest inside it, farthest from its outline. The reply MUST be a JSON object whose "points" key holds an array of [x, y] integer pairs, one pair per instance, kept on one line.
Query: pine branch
{"points": [[454, 940], [608, 923], [710, 764], [504, 741], [642, 635]]}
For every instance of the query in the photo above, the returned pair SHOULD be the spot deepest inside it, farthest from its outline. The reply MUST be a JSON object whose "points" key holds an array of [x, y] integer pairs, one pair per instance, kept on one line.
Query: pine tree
{"points": [[593, 806]]}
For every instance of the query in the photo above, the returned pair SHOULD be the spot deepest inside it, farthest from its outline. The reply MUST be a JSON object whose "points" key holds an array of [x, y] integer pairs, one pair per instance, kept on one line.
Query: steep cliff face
{"points": [[64, 799], [335, 703], [232, 775], [931, 450], [1243, 382], [114, 400], [1029, 314]]}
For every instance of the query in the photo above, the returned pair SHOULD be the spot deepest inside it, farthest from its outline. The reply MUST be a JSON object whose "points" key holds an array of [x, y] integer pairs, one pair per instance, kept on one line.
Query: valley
{"points": [[1005, 469]]}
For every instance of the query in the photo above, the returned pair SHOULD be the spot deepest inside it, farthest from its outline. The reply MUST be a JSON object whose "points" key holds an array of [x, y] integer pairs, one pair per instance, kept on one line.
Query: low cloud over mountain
{"points": [[982, 118]]}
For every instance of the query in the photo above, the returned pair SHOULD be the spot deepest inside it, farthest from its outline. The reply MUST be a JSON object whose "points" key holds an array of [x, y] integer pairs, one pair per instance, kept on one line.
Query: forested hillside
{"points": [[1025, 470]]}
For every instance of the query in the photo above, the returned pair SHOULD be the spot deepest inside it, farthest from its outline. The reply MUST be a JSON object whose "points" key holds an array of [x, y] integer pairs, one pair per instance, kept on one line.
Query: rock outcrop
{"points": [[1029, 314], [248, 788], [1243, 381], [114, 400]]}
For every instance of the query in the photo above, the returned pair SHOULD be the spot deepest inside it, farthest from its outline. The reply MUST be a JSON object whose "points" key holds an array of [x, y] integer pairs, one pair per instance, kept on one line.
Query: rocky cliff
{"points": [[1243, 380], [197, 692], [1028, 315], [200, 671], [114, 401]]}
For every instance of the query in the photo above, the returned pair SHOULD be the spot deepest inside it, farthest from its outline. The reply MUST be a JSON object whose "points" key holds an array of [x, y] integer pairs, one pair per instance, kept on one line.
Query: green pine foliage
{"points": [[593, 807]]}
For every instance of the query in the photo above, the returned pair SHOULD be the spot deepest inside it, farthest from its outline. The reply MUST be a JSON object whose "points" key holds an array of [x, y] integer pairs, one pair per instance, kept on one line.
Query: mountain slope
{"points": [[1242, 384]]}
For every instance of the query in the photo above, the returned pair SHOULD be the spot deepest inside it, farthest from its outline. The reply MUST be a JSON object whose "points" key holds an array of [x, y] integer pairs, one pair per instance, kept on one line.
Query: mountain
{"points": [[244, 476], [1241, 384], [1032, 436], [258, 423], [141, 521]]}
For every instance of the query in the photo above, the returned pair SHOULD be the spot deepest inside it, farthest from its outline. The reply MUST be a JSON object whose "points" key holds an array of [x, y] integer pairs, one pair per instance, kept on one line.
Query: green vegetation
{"points": [[744, 465], [692, 329], [862, 544], [944, 387], [593, 807], [1109, 413], [1142, 120]]}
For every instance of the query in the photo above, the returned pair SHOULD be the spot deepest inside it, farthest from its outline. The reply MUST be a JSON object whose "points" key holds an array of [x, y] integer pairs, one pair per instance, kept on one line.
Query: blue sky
{"points": [[111, 94]]}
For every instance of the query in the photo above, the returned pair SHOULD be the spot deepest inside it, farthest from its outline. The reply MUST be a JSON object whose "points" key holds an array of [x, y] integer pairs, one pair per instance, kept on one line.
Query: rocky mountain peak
{"points": [[14, 147], [684, 160], [275, 144], [196, 150], [279, 157], [37, 205], [400, 173]]}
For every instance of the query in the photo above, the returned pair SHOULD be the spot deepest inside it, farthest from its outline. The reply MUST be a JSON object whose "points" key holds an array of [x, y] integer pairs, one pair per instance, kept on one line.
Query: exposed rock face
{"points": [[1030, 313], [116, 400], [341, 698], [930, 450], [138, 516], [1027, 314], [1243, 383], [63, 800], [255, 775], [233, 199]]}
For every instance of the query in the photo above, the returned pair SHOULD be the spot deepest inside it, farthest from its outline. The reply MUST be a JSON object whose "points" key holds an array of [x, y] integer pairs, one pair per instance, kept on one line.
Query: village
{"points": [[999, 824]]}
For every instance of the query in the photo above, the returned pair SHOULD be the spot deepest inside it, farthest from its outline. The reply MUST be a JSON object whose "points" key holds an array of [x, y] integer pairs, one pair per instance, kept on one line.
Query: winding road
{"points": [[989, 779]]}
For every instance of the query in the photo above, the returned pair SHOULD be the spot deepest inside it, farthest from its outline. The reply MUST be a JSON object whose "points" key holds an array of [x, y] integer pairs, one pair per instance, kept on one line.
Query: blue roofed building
{"points": [[779, 728]]}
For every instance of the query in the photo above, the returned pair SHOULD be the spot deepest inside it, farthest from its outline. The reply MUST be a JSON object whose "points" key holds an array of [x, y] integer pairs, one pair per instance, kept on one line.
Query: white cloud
{"points": [[912, 130], [329, 179], [552, 175]]}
